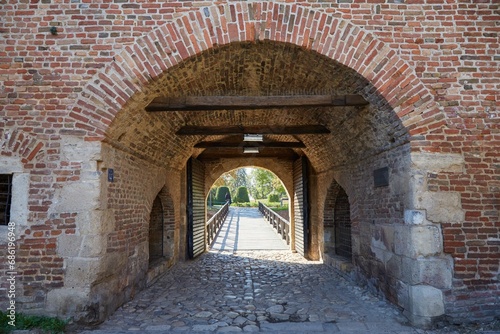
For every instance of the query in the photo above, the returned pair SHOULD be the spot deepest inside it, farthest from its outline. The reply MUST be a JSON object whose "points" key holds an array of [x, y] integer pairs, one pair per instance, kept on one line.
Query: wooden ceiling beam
{"points": [[212, 144], [193, 103], [191, 130]]}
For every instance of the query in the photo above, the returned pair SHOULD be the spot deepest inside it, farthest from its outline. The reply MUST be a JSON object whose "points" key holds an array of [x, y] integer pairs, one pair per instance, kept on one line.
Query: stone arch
{"points": [[338, 39], [15, 142], [156, 228], [331, 256], [128, 83], [329, 219], [161, 236], [214, 170], [162, 208], [342, 225]]}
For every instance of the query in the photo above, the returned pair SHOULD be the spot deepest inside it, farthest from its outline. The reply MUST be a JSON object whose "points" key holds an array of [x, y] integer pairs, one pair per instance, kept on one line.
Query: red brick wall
{"points": [[436, 64]]}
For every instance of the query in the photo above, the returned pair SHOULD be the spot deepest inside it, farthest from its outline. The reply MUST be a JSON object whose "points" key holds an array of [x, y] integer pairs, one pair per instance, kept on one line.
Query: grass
{"points": [[47, 324], [275, 206]]}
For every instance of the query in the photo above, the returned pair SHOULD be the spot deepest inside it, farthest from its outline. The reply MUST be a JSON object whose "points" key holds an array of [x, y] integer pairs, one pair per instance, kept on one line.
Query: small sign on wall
{"points": [[381, 177], [111, 175]]}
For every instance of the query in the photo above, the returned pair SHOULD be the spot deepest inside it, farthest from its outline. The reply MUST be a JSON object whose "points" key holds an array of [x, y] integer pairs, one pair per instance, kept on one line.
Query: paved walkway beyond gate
{"points": [[235, 288], [245, 229]]}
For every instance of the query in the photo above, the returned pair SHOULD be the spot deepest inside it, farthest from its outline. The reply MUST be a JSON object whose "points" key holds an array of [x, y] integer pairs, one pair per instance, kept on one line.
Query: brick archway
{"points": [[213, 26], [213, 170], [128, 84], [15, 142]]}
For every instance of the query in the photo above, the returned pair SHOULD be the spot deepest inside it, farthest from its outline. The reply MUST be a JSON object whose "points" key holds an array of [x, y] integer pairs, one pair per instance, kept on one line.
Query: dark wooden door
{"points": [[195, 208], [301, 206]]}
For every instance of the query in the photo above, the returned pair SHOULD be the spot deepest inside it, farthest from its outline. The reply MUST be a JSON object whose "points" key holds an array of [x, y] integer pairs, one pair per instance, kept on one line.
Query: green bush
{"points": [[273, 198], [47, 324], [241, 195], [220, 196]]}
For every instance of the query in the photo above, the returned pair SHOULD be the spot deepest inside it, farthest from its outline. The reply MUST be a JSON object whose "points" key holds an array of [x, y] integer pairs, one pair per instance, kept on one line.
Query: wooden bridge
{"points": [[248, 229]]}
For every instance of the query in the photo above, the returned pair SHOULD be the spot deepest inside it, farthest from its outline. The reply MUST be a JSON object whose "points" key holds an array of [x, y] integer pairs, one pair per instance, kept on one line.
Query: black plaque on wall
{"points": [[381, 177], [111, 175]]}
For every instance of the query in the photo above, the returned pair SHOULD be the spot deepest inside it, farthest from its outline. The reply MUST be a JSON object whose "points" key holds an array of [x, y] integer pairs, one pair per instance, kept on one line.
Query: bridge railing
{"points": [[280, 224], [215, 223]]}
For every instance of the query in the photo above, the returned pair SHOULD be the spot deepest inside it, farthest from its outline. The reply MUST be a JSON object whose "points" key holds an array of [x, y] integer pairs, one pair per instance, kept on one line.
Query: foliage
{"points": [[250, 204], [241, 195], [232, 179], [259, 183], [47, 324], [273, 197], [263, 182], [241, 179], [275, 206], [220, 196]]}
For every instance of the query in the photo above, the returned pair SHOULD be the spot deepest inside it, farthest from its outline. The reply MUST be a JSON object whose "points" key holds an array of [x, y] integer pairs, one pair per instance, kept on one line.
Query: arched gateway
{"points": [[377, 151]]}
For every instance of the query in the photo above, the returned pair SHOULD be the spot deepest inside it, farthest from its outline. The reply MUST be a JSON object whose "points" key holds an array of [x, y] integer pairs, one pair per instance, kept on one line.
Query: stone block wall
{"points": [[397, 251]]}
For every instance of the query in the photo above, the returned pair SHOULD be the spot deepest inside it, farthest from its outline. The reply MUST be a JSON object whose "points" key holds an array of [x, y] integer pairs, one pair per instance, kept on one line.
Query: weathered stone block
{"points": [[441, 206], [95, 222], [438, 162], [415, 217], [9, 165], [69, 246], [75, 149], [426, 303], [415, 241], [81, 272], [78, 196], [394, 266], [19, 204], [403, 294], [93, 245], [436, 272], [67, 301]]}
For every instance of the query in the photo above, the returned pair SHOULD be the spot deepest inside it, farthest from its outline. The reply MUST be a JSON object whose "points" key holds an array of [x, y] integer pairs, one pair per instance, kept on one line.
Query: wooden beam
{"points": [[189, 130], [193, 103], [220, 153], [214, 144]]}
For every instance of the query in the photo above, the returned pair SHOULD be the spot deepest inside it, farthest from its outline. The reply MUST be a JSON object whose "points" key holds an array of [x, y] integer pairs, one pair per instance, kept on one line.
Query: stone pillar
{"points": [[427, 270], [83, 251]]}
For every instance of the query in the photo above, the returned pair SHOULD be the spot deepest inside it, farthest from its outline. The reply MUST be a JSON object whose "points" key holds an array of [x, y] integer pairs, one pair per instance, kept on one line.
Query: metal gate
{"points": [[195, 208], [301, 206]]}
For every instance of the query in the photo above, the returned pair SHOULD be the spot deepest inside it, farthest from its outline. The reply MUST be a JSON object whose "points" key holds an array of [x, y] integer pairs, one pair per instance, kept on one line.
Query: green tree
{"points": [[241, 178], [241, 195], [264, 182], [220, 196], [273, 197]]}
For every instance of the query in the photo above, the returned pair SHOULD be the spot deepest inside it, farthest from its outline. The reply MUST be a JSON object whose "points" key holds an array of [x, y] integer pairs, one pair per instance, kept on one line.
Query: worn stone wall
{"points": [[396, 250], [115, 266], [429, 70]]}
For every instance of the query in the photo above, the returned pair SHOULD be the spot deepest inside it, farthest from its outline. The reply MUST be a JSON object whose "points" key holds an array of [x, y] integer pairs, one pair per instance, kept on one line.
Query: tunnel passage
{"points": [[353, 141], [268, 195], [319, 142], [259, 69], [443, 185]]}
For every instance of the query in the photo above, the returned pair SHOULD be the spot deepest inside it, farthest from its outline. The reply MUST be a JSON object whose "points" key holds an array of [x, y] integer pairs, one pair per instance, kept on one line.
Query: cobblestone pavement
{"points": [[266, 291], [259, 291]]}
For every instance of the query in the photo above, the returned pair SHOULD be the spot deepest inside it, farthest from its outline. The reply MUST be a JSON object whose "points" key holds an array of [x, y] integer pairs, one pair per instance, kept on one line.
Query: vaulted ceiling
{"points": [[264, 70]]}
